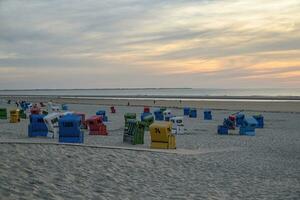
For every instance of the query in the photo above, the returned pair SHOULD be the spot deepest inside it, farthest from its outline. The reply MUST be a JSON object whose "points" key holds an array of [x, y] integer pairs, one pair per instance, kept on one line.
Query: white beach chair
{"points": [[51, 121], [52, 108], [167, 115], [177, 125]]}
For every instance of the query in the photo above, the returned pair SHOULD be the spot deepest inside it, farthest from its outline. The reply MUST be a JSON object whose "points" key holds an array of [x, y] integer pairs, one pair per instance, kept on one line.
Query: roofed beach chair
{"points": [[161, 136], [177, 125], [207, 115], [260, 121], [128, 116], [193, 113], [134, 133], [3, 113], [96, 126], [69, 129], [14, 116], [37, 126], [248, 126]]}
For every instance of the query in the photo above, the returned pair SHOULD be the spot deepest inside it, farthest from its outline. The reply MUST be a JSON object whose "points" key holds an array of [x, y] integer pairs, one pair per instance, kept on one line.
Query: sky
{"points": [[149, 43]]}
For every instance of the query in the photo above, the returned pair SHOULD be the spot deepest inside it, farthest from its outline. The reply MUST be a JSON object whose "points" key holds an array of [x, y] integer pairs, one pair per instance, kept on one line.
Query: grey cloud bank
{"points": [[148, 43]]}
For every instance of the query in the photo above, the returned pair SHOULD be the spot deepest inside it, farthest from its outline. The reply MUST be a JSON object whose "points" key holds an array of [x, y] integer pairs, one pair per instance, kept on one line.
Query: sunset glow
{"points": [[152, 43]]}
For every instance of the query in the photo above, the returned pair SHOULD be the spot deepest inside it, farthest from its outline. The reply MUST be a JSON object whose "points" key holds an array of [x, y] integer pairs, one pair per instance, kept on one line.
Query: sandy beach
{"points": [[225, 74], [204, 165]]}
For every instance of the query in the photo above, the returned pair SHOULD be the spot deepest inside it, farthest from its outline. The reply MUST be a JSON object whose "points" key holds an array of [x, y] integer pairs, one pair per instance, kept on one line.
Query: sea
{"points": [[194, 93]]}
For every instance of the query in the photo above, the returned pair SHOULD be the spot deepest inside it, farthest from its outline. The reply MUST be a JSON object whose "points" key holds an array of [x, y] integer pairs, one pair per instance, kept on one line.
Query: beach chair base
{"points": [[247, 131], [133, 139], [37, 134], [222, 130], [79, 139]]}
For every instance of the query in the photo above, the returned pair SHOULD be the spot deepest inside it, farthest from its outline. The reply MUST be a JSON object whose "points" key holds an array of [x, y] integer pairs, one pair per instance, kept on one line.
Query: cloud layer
{"points": [[141, 43]]}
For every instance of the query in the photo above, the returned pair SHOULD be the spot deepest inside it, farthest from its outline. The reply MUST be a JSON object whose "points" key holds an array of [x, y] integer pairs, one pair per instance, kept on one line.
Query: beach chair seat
{"points": [[3, 113], [161, 136], [134, 132]]}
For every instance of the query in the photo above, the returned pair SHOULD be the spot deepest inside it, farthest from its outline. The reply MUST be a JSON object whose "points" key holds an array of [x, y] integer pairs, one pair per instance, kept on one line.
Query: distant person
{"points": [[9, 101], [128, 104], [180, 101], [17, 104], [153, 101]]}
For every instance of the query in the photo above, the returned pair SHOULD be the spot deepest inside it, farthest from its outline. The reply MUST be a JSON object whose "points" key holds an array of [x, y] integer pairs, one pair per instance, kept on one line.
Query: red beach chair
{"points": [[35, 110], [232, 118], [96, 126], [146, 109]]}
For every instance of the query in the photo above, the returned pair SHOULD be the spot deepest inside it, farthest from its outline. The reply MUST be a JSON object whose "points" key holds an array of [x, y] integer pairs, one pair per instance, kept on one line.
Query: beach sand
{"points": [[204, 165]]}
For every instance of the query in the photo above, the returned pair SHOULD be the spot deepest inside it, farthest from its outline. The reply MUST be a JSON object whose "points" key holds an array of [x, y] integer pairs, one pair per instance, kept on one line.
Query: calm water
{"points": [[183, 92]]}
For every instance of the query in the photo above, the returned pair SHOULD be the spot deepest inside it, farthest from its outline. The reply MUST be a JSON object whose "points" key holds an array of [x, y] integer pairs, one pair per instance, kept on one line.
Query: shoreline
{"points": [[167, 97], [213, 104]]}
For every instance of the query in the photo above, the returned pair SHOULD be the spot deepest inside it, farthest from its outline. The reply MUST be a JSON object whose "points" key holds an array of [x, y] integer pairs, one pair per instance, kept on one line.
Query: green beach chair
{"points": [[22, 114], [44, 112], [128, 116], [162, 109], [147, 121], [134, 133], [3, 113]]}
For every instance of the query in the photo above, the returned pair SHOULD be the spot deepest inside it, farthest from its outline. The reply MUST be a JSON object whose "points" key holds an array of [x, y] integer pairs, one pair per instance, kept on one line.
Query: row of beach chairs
{"points": [[162, 124]]}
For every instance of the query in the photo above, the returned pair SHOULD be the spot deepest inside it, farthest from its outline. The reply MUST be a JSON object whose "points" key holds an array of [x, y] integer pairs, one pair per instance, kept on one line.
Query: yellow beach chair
{"points": [[14, 116], [161, 136]]}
